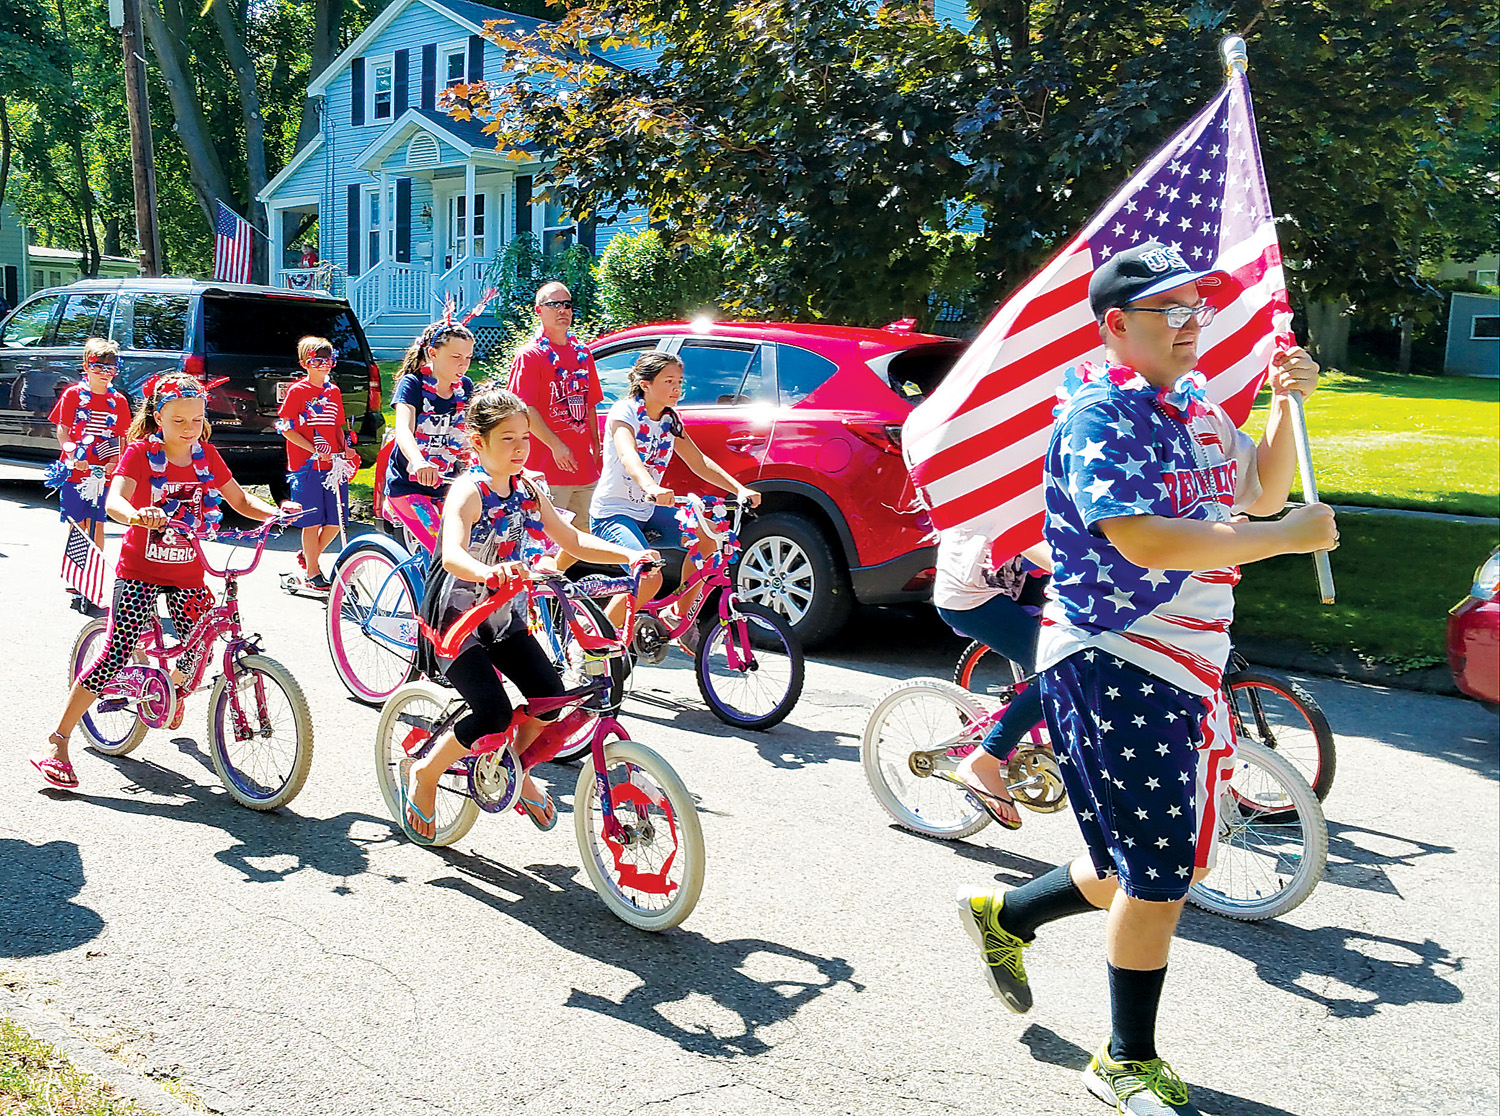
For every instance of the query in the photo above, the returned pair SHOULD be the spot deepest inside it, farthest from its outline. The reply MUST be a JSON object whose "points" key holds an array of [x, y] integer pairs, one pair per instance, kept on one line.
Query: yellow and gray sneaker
{"points": [[1147, 1088], [980, 912]]}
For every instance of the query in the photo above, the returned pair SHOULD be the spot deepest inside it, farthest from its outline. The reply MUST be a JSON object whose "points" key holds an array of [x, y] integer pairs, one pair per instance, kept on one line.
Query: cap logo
{"points": [[1164, 259]]}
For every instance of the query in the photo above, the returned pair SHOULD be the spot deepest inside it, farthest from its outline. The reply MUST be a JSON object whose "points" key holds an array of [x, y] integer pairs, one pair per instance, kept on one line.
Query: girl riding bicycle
{"points": [[494, 519], [168, 471], [641, 434], [431, 393], [982, 599]]}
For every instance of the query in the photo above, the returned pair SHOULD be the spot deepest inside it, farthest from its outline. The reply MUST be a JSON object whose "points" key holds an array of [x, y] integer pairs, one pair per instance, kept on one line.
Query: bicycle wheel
{"points": [[1281, 715], [1273, 840], [652, 876], [761, 692], [923, 715], [260, 733], [110, 726], [409, 718], [984, 671], [372, 625]]}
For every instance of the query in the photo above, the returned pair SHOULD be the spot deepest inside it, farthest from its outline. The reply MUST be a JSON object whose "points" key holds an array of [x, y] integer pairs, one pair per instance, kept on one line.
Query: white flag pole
{"points": [[1236, 57]]}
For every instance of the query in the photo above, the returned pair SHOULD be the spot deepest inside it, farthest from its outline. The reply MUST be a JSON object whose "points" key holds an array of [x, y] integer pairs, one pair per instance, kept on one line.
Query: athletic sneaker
{"points": [[318, 584], [980, 912], [1147, 1088]]}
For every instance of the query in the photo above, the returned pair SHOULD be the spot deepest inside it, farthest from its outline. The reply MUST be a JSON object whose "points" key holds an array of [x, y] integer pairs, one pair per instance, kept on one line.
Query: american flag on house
{"points": [[233, 246], [975, 446], [83, 565]]}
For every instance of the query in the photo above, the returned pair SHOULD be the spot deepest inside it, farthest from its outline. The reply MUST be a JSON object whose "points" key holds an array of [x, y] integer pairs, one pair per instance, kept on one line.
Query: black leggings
{"points": [[472, 674], [131, 614]]}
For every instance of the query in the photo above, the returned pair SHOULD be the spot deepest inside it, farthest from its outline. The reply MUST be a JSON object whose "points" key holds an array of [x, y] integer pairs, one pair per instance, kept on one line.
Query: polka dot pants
{"points": [[131, 614]]}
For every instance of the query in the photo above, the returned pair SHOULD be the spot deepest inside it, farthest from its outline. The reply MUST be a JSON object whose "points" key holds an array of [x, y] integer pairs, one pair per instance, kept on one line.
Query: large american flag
{"points": [[83, 565], [233, 242], [975, 446]]}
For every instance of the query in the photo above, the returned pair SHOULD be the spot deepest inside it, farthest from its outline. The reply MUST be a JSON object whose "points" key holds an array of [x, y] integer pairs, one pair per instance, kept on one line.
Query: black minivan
{"points": [[246, 333]]}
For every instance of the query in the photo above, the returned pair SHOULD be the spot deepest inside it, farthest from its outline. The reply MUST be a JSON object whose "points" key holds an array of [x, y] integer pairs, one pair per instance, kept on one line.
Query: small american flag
{"points": [[975, 446], [83, 565], [233, 241]]}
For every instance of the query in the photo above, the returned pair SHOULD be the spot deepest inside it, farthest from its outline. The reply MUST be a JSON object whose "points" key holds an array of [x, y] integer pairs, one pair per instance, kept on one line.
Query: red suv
{"points": [[811, 416]]}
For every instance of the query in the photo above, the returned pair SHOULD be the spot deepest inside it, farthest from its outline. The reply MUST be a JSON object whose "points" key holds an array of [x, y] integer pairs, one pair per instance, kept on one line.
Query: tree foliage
{"points": [[831, 142]]}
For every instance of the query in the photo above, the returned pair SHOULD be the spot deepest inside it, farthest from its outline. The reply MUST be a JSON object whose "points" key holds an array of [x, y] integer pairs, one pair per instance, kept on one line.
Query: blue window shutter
{"points": [[429, 77], [588, 234], [402, 80], [523, 203], [403, 220], [476, 58], [354, 228], [357, 91]]}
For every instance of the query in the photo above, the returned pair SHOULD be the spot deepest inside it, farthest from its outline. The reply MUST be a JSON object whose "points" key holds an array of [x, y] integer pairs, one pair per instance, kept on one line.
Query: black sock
{"points": [[1134, 995], [1048, 897]]}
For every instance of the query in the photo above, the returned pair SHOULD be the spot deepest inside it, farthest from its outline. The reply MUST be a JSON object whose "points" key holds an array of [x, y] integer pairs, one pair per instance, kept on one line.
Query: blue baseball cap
{"points": [[1149, 269]]}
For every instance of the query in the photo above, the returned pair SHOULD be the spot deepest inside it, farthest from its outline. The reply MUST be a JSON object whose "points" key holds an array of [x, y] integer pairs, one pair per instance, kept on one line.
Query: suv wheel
{"points": [[788, 565]]}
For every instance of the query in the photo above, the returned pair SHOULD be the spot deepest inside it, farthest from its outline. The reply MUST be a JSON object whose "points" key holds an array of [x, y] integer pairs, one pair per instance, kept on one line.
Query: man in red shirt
{"points": [[556, 377]]}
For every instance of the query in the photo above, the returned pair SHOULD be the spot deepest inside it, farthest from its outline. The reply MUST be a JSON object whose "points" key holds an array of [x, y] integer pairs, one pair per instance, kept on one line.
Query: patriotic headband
{"points": [[161, 390]]}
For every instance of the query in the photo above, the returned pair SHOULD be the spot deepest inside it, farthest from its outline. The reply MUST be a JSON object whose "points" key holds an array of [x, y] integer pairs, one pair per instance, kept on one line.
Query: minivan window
{"points": [[151, 322], [28, 324], [271, 327], [80, 312], [800, 372]]}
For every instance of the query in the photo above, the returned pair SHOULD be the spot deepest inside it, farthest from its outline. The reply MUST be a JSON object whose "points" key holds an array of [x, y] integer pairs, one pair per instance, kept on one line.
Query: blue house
{"points": [[409, 205]]}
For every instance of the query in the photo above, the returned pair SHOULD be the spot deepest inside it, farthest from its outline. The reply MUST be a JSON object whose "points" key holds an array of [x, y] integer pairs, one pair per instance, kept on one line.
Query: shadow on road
{"points": [[1050, 1047], [715, 998], [37, 912], [1359, 857], [269, 846], [787, 746]]}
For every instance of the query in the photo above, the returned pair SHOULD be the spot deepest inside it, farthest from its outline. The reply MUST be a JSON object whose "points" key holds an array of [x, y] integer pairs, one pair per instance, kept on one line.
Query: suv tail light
{"points": [[884, 436], [194, 365], [372, 400]]}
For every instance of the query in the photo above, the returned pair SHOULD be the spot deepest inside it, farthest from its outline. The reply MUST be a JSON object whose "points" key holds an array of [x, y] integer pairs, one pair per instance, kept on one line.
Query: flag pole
{"points": [[1236, 57]]}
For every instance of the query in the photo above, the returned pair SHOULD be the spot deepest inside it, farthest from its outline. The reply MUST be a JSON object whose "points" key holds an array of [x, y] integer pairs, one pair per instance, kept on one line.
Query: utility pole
{"points": [[142, 155]]}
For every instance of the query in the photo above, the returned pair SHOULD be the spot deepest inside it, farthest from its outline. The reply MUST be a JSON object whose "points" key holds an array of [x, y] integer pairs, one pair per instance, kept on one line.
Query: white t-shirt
{"points": [[959, 583], [616, 493]]}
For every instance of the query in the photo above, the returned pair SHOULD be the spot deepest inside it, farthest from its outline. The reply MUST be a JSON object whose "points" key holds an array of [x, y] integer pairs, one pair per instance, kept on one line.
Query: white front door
{"points": [[380, 226], [473, 224]]}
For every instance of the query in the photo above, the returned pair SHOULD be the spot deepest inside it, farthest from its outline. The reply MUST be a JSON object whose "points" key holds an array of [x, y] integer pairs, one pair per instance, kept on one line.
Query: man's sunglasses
{"points": [[1177, 316], [559, 304]]}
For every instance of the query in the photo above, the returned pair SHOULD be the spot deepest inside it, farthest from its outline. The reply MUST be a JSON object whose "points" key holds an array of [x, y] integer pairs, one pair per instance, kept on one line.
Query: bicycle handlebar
{"points": [[196, 537]]}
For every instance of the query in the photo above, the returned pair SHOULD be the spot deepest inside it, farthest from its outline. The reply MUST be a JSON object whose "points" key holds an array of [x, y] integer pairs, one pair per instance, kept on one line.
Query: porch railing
{"points": [[389, 287], [463, 283], [320, 277]]}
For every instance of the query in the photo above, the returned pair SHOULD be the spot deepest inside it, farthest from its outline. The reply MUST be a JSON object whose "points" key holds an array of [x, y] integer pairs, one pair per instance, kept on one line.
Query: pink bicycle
{"points": [[635, 822], [748, 661], [260, 730]]}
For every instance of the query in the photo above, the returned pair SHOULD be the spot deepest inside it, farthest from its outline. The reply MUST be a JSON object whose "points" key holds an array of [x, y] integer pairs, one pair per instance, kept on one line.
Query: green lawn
{"points": [[1380, 439], [1395, 577], [35, 1080]]}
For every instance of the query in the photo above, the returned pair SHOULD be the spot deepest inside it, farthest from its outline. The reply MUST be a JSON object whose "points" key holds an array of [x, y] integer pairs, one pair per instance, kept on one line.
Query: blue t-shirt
{"points": [[1117, 450], [439, 433]]}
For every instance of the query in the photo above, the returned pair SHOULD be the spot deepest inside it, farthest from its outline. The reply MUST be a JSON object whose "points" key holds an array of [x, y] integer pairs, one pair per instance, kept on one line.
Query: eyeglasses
{"points": [[1177, 316], [322, 361], [558, 304], [101, 364]]}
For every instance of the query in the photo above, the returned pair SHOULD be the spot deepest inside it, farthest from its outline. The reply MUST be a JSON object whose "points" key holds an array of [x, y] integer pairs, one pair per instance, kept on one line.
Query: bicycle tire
{"points": [[420, 707], [677, 863], [258, 778], [371, 669], [115, 733], [1284, 717], [1268, 811], [922, 804], [775, 678], [978, 661]]}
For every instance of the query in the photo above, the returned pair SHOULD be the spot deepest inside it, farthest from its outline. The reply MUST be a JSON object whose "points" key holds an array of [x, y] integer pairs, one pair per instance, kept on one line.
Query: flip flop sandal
{"points": [[57, 773], [544, 806], [985, 799], [409, 808]]}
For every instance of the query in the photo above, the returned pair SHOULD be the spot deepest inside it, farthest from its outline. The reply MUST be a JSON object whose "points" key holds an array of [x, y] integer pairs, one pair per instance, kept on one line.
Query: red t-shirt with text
{"points": [[165, 557], [317, 415], [570, 415]]}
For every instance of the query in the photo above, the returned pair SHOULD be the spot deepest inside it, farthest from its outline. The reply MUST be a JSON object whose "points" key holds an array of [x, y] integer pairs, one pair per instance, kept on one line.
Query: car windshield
{"points": [[271, 327]]}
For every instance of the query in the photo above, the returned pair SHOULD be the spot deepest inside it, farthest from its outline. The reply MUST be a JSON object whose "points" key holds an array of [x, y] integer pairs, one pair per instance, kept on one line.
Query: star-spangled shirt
{"points": [[1115, 451]]}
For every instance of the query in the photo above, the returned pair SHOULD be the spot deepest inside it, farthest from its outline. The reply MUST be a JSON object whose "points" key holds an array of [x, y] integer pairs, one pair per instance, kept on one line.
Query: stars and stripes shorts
{"points": [[1144, 763]]}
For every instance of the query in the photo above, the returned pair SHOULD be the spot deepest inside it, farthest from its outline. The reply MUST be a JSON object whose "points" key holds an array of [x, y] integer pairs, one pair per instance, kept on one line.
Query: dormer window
{"points": [[453, 62], [382, 85]]}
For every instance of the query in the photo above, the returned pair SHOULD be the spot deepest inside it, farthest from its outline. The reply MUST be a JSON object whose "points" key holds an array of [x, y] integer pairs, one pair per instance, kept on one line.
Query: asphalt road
{"points": [[313, 961]]}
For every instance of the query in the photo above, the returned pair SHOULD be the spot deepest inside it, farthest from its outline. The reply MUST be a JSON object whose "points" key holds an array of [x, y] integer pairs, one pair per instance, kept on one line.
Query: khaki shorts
{"points": [[574, 498]]}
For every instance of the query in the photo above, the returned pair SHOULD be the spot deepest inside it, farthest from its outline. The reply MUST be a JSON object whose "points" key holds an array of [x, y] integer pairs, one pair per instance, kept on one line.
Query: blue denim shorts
{"points": [[637, 534]]}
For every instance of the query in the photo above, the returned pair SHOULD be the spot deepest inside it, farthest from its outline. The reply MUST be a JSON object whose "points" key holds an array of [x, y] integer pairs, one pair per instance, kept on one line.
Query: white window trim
{"points": [[1474, 334], [371, 65], [1487, 278], [446, 51]]}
